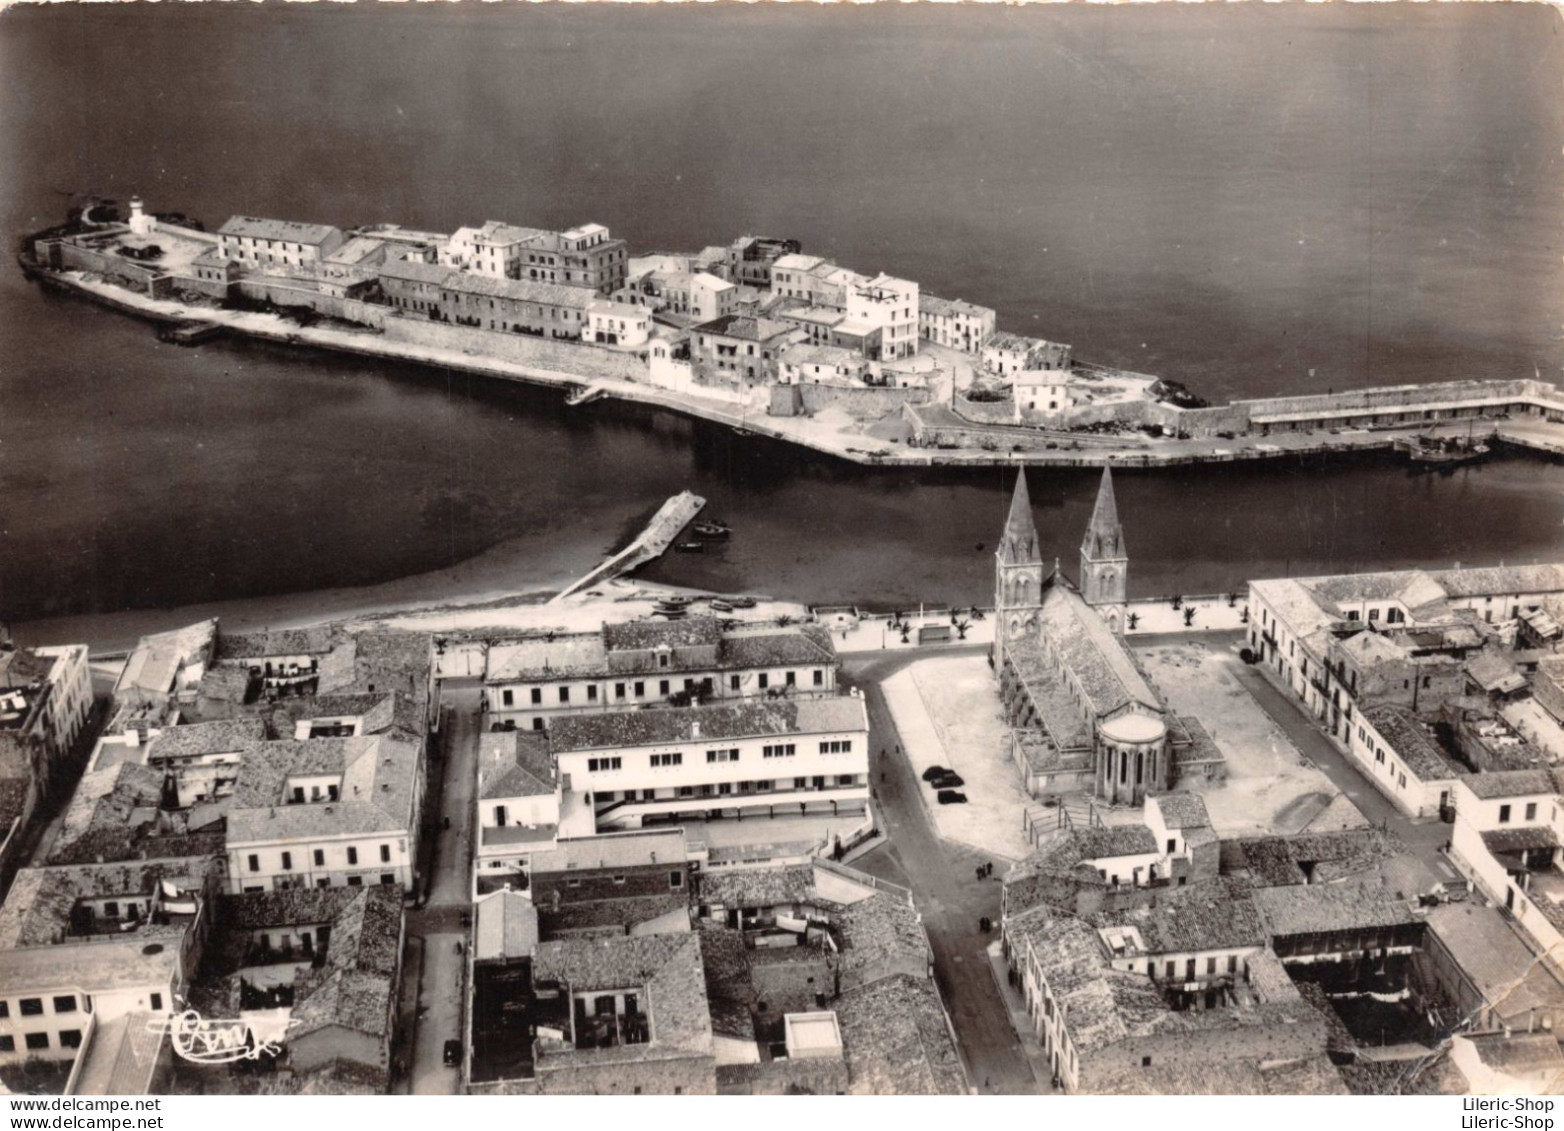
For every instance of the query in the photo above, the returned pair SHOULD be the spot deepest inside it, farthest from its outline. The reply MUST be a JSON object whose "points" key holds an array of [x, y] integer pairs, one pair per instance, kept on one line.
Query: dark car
{"points": [[934, 772], [951, 797], [453, 1052], [951, 780]]}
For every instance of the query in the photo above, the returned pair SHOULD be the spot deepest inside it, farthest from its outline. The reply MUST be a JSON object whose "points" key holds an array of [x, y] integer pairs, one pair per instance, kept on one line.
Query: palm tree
{"points": [[1189, 617], [1134, 621], [961, 629], [1178, 601], [784, 620]]}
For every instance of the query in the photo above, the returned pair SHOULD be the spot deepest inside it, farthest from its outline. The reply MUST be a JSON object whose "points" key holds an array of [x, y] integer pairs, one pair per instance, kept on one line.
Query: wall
{"points": [[133, 276], [336, 1043], [865, 401], [522, 349]]}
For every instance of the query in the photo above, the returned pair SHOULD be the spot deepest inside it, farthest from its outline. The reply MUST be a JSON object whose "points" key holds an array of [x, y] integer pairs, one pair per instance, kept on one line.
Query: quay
{"points": [[672, 517], [191, 333]]}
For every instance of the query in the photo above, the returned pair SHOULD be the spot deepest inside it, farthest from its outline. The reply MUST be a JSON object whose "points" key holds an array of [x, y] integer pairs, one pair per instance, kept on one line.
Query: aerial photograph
{"points": [[757, 549]]}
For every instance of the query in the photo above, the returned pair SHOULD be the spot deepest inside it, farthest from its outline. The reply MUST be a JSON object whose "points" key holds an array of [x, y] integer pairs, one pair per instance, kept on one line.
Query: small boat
{"points": [[720, 606], [690, 547], [738, 431], [742, 602], [677, 600], [712, 529], [1447, 451]]}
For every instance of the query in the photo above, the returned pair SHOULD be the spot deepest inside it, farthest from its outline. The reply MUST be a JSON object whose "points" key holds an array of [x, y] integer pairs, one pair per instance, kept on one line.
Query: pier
{"points": [[672, 517]]}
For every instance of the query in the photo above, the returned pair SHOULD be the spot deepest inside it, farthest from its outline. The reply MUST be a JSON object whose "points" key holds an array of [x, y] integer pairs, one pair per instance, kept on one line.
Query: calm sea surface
{"points": [[1251, 199]]}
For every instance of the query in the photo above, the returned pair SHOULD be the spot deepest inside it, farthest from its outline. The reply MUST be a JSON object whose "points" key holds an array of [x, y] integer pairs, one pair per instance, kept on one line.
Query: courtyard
{"points": [[1270, 786], [946, 709]]}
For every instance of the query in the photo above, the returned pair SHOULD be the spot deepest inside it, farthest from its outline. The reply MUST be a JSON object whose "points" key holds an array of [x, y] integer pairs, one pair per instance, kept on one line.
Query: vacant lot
{"points": [[1270, 786]]}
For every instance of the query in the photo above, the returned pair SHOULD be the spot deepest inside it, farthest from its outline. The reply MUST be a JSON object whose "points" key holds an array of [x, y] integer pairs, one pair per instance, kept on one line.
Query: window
{"points": [[1172, 845], [37, 1040], [255, 863], [800, 783], [594, 765], [783, 750], [662, 687], [1232, 963], [675, 880], [5, 1009], [287, 861], [1531, 810], [387, 878], [355, 881], [508, 697], [734, 682], [619, 691], [764, 680], [537, 724], [1145, 1062], [352, 855], [537, 695], [156, 1001], [1211, 965], [564, 695], [662, 659], [1171, 968], [298, 795], [70, 1038], [320, 858], [619, 880], [65, 1003], [385, 854], [7, 1043], [792, 679], [845, 779], [111, 910], [499, 816], [640, 688], [667, 760], [722, 755], [725, 787], [838, 746], [1504, 814], [819, 679]]}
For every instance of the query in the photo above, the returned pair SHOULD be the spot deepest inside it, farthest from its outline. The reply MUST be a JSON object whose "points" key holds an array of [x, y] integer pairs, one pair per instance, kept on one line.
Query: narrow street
{"points": [[447, 878], [943, 880]]}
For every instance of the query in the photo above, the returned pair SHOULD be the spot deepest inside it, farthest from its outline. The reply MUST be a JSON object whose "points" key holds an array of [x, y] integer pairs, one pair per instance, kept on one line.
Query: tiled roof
{"points": [[1297, 608], [515, 763], [1520, 1052], [743, 327], [1321, 908], [90, 967], [758, 887], [113, 802], [1305, 1076], [1520, 839], [637, 635], [1205, 916], [1108, 841], [730, 992], [667, 966], [228, 736], [471, 282], [1511, 783], [37, 911], [1490, 952], [288, 230], [1413, 588], [751, 719], [1099, 659], [379, 782], [282, 642], [1412, 742], [1502, 580], [1050, 697], [895, 1040], [766, 647], [1182, 810], [1275, 860], [1494, 672]]}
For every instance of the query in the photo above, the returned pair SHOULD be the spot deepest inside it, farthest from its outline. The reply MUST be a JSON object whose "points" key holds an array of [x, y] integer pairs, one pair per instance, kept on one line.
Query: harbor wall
{"points": [[870, 400]]}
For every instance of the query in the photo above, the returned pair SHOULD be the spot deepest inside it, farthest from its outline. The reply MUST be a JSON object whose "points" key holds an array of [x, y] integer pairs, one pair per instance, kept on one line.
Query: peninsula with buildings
{"points": [[1304, 839], [754, 334]]}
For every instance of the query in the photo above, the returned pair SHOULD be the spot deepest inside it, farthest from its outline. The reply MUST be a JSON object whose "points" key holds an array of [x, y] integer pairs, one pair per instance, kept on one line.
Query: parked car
{"points": [[951, 780], [453, 1052], [935, 772], [951, 797]]}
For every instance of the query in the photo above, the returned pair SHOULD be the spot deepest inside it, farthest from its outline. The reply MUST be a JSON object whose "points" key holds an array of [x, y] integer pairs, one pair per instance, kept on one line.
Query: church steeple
{"points": [[1019, 543], [1104, 562]]}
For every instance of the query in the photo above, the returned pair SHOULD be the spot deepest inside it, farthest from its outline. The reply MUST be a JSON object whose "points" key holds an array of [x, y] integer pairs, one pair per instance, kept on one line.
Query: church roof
{"points": [[1100, 662], [1020, 540], [1105, 534]]}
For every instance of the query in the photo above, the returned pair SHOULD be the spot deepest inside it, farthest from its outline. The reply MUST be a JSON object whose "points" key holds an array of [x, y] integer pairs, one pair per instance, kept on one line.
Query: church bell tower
{"points": [[1018, 573], [1104, 563]]}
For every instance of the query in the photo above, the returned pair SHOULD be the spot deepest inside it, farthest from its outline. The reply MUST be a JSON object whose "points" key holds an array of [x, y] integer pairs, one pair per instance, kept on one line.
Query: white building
{"points": [[1041, 392], [811, 364], [956, 324], [326, 812], [1012, 353], [769, 756], [273, 245], [533, 681], [518, 799], [616, 324], [890, 306]]}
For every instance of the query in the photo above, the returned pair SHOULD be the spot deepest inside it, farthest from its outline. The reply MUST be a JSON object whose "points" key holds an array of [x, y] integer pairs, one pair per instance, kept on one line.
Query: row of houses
{"points": [[240, 845]]}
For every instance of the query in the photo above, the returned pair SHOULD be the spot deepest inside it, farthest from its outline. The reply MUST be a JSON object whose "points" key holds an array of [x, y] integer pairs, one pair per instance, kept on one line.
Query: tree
{"points": [[1189, 617], [1232, 599], [1178, 601], [961, 629], [784, 620], [1134, 621]]}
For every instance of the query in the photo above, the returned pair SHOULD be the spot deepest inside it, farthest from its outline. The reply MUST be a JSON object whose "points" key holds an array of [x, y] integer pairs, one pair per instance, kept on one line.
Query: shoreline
{"points": [[801, 431]]}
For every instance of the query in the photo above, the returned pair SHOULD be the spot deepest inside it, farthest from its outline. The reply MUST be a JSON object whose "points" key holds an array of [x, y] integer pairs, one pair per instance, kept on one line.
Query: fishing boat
{"points": [[712, 529], [1445, 451], [718, 606], [742, 602], [689, 547]]}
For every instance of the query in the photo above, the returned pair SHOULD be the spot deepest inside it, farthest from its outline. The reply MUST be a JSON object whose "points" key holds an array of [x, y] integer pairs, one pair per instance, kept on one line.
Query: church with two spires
{"points": [[1083, 716]]}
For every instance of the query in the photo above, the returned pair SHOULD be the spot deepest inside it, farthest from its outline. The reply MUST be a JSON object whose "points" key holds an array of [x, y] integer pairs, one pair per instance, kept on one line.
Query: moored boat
{"points": [[1444, 451], [711, 529]]}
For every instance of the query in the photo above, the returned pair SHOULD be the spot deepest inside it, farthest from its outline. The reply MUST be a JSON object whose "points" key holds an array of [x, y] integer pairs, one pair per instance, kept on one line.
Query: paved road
{"points": [[951, 899], [441, 989]]}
